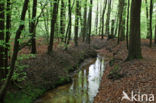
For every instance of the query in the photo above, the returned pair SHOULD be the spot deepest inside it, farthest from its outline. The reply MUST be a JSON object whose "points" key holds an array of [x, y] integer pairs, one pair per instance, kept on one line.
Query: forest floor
{"points": [[138, 76], [44, 71]]}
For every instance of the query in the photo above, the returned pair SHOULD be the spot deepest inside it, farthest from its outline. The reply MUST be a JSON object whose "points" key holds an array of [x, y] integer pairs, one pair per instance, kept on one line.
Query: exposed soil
{"points": [[138, 75]]}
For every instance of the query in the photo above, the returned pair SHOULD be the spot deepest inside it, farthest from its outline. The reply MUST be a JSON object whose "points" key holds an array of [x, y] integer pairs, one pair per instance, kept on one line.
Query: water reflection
{"points": [[83, 88]]}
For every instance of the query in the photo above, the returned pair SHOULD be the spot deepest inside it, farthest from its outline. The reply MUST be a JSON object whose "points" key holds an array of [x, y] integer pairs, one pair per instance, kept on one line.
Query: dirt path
{"points": [[139, 75]]}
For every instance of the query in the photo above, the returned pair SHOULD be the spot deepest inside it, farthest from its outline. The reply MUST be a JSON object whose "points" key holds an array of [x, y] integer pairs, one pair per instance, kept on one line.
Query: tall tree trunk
{"points": [[70, 21], [53, 22], [155, 35], [97, 17], [127, 31], [76, 23], [15, 52], [134, 51], [121, 21], [2, 27], [84, 22], [8, 26], [147, 20], [108, 18], [100, 24], [151, 12], [62, 19], [89, 22], [33, 27], [112, 29], [103, 17]]}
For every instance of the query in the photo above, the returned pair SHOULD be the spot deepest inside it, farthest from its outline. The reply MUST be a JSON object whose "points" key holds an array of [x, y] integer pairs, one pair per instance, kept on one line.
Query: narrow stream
{"points": [[83, 89]]}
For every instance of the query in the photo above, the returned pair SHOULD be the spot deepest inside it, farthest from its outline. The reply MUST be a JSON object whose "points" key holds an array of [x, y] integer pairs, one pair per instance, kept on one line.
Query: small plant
{"points": [[19, 74], [114, 74]]}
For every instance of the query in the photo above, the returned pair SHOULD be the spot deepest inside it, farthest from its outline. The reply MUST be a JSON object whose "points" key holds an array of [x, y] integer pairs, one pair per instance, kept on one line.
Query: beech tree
{"points": [[76, 23], [33, 27], [53, 22], [103, 14], [108, 18], [151, 12], [134, 51], [2, 27]]}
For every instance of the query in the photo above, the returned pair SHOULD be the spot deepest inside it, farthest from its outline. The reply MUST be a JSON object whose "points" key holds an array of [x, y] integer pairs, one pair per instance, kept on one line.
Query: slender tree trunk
{"points": [[97, 17], [112, 29], [84, 22], [76, 23], [127, 31], [100, 24], [62, 19], [116, 25], [155, 35], [53, 22], [121, 21], [108, 18], [15, 52], [151, 12], [8, 26], [70, 21], [89, 22], [147, 20], [134, 51], [103, 17], [33, 27], [2, 27]]}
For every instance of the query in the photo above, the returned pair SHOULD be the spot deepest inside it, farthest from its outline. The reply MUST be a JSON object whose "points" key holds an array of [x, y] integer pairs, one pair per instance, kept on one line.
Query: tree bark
{"points": [[147, 20], [62, 19], [97, 18], [33, 27], [155, 35], [2, 27], [108, 18], [103, 17], [70, 21], [121, 21], [127, 31], [8, 26], [151, 12], [134, 51], [84, 22], [76, 23], [53, 22], [89, 22]]}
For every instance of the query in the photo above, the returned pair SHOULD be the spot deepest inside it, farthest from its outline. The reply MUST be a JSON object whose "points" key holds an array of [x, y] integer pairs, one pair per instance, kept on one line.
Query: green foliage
{"points": [[19, 74], [114, 73], [26, 95]]}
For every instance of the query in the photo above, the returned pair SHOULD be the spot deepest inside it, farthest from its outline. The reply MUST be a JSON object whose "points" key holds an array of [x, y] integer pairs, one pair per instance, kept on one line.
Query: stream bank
{"points": [[84, 86], [138, 76], [46, 72]]}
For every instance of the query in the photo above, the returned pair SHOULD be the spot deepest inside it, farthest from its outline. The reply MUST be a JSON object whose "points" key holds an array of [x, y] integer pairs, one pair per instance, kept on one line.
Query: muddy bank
{"points": [[45, 72], [137, 75]]}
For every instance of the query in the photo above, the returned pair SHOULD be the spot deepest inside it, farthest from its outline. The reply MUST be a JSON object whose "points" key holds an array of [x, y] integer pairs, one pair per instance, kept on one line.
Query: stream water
{"points": [[83, 89]]}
